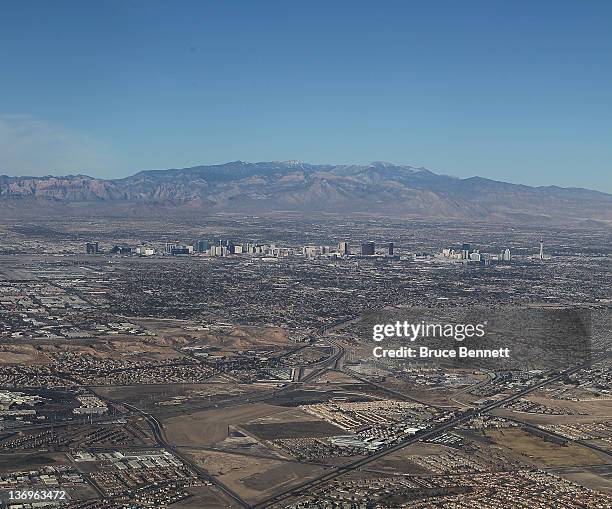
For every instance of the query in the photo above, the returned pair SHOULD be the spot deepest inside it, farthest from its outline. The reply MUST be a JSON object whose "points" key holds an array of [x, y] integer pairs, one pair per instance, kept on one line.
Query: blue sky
{"points": [[512, 90]]}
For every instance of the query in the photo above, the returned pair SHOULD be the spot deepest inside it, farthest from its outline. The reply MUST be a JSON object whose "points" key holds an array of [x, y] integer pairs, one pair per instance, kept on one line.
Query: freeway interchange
{"points": [[334, 363]]}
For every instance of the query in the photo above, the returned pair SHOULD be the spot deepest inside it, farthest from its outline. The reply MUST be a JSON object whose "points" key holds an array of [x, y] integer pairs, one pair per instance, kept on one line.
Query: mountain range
{"points": [[376, 188]]}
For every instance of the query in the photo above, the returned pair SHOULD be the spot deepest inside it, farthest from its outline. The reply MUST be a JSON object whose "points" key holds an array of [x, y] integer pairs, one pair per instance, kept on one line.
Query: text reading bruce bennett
{"points": [[424, 352]]}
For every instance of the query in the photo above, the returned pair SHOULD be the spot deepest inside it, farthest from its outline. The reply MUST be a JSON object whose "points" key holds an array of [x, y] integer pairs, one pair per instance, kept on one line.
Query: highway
{"points": [[431, 433], [333, 362], [558, 437], [162, 442], [157, 429]]}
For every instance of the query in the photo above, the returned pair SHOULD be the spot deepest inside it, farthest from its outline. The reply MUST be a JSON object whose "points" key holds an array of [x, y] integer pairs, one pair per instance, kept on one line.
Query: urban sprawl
{"points": [[139, 369]]}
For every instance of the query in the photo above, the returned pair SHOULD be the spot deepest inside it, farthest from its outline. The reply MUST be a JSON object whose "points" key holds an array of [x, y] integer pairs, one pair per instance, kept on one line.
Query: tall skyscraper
{"points": [[541, 249], [368, 248], [92, 248], [343, 248], [390, 249], [310, 251]]}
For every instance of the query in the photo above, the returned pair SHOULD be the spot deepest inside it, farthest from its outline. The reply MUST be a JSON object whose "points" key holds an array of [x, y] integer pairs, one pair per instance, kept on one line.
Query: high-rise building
{"points": [[541, 249], [121, 250], [390, 247], [506, 256], [343, 248], [368, 249], [92, 248], [465, 251], [202, 246], [310, 251]]}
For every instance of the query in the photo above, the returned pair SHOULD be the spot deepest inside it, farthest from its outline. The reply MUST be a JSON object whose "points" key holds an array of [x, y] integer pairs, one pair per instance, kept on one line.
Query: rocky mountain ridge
{"points": [[376, 188]]}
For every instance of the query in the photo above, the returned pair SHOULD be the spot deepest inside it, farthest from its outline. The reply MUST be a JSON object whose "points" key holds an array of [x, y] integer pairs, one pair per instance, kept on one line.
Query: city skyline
{"points": [[141, 358]]}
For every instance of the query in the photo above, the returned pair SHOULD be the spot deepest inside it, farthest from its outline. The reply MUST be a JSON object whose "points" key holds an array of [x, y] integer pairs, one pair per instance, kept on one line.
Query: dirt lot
{"points": [[590, 480], [111, 348], [293, 430], [22, 354], [27, 461], [175, 396], [537, 450], [593, 411], [400, 461], [210, 427], [229, 338], [206, 496], [253, 478]]}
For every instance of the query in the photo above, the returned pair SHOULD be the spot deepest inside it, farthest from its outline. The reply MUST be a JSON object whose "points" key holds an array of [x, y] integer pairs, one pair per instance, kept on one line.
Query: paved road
{"points": [[158, 433], [557, 436], [433, 432], [160, 438]]}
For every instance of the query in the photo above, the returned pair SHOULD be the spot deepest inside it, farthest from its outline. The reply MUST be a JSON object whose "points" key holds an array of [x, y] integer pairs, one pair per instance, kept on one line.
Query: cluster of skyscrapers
{"points": [[366, 249], [344, 250], [228, 247], [467, 254]]}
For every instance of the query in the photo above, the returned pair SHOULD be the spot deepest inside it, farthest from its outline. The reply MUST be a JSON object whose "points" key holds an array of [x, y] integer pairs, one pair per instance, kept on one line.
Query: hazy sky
{"points": [[511, 90]]}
